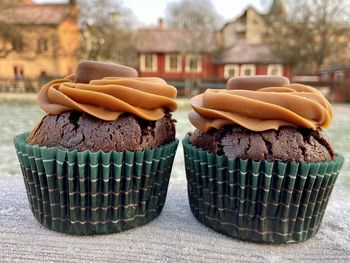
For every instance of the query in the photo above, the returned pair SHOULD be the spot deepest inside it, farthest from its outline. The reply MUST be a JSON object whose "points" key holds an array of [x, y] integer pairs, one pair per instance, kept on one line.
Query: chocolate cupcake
{"points": [[259, 166], [100, 159]]}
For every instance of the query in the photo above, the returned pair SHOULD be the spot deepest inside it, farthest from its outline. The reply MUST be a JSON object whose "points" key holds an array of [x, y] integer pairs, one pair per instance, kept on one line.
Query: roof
{"points": [[243, 13], [306, 78], [245, 53], [174, 40], [36, 14], [335, 67], [22, 1]]}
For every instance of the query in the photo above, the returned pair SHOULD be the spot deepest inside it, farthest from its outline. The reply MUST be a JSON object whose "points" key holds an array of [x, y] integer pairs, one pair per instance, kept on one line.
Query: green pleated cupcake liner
{"points": [[87, 192], [260, 201]]}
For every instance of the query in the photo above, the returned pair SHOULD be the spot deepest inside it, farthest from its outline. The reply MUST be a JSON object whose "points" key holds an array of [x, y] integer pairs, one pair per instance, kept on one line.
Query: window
{"points": [[325, 76], [18, 71], [148, 62], [42, 45], [339, 75], [231, 70], [18, 44], [248, 70], [173, 63], [194, 63], [275, 70]]}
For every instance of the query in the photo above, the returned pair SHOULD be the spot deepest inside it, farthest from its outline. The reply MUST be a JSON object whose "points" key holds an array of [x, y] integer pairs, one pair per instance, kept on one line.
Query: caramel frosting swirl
{"points": [[263, 109], [109, 97]]}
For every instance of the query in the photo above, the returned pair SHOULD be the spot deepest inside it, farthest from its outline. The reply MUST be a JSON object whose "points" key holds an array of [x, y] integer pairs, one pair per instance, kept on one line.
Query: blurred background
{"points": [[193, 44]]}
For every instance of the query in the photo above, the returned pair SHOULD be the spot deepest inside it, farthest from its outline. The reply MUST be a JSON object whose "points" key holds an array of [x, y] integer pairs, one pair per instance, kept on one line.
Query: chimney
{"points": [[161, 23], [218, 38]]}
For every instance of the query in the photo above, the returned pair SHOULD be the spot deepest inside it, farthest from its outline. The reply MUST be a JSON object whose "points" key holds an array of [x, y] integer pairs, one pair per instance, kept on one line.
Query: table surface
{"points": [[175, 236]]}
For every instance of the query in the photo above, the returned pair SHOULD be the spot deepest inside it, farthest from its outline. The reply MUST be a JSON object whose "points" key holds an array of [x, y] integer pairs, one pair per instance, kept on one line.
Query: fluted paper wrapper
{"points": [[94, 193], [260, 201]]}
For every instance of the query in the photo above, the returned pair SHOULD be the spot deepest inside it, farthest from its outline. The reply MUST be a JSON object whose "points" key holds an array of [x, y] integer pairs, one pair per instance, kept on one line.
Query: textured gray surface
{"points": [[174, 236]]}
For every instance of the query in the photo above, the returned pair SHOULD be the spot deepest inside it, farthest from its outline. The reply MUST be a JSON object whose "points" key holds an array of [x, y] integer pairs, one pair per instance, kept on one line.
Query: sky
{"points": [[149, 11]]}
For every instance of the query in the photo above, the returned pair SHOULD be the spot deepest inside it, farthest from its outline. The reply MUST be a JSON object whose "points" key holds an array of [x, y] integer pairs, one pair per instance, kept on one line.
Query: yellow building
{"points": [[48, 42], [250, 26]]}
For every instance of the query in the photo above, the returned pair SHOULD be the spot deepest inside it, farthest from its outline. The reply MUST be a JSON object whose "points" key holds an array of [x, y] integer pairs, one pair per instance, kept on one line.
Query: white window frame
{"points": [[339, 75], [143, 63], [325, 76], [200, 66], [167, 63], [279, 68], [252, 67], [227, 69]]}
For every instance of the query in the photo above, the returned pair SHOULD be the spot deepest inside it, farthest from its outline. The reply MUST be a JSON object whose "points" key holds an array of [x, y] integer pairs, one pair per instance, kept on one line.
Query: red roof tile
{"points": [[172, 40], [36, 14], [244, 53], [335, 67]]}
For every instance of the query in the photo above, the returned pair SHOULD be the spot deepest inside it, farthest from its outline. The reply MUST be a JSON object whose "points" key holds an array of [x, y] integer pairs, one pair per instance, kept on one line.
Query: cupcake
{"points": [[100, 160], [259, 166]]}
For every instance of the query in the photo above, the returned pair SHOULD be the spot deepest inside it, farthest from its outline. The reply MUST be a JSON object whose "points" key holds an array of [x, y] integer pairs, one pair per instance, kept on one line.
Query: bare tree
{"points": [[198, 19], [311, 33], [107, 31], [193, 15]]}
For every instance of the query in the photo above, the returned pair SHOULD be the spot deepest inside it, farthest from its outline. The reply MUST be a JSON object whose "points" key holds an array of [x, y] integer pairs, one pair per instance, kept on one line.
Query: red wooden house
{"points": [[161, 54], [336, 73], [173, 55], [236, 49], [337, 78], [247, 59]]}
